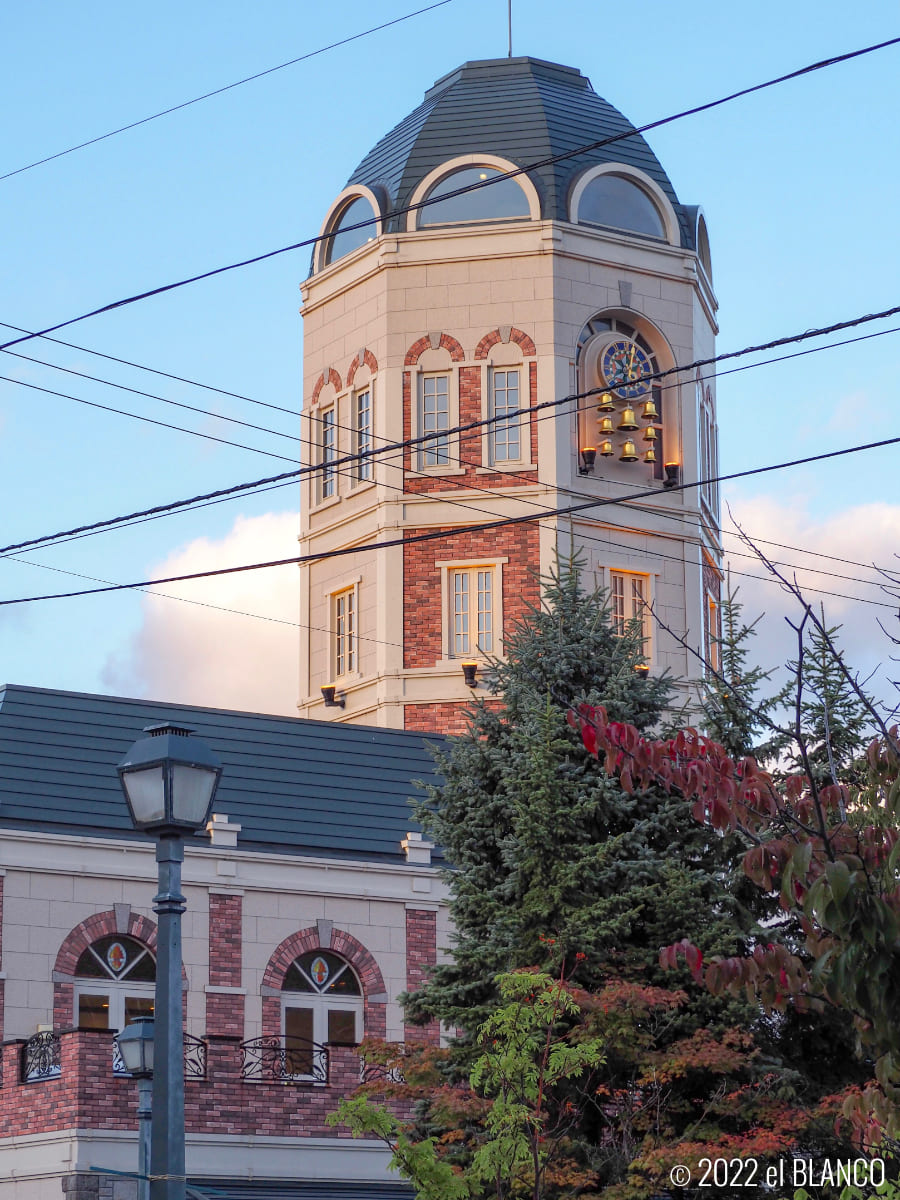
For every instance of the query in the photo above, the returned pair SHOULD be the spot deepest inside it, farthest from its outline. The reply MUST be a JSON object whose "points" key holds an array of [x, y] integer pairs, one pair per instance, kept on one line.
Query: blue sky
{"points": [[799, 185]]}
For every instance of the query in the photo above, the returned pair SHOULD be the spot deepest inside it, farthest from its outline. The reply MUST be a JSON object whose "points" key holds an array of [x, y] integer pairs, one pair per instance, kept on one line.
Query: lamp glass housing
{"points": [[135, 1044], [169, 780]]}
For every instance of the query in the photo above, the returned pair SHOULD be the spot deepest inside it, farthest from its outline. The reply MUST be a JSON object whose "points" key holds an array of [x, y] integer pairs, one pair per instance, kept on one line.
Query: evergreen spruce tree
{"points": [[835, 721], [735, 714], [547, 850]]}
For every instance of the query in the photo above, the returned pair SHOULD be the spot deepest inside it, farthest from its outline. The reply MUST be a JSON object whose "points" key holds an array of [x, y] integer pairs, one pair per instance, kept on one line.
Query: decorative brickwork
{"points": [[370, 361], [333, 378], [515, 335], [87, 1095], [446, 718], [345, 944], [225, 1011], [99, 925], [418, 348], [471, 408], [2, 993], [423, 621], [421, 956]]}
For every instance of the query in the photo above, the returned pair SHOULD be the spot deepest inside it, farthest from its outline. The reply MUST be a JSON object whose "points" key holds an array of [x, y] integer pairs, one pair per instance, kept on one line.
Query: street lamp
{"points": [[169, 780], [135, 1044]]}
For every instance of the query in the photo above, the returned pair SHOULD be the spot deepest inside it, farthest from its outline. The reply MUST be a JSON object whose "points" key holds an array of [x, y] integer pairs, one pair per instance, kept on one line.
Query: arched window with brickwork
{"points": [[114, 983]]}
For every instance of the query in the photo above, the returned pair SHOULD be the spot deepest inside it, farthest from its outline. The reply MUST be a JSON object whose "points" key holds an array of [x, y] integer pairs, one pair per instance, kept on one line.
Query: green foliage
{"points": [[735, 714], [834, 721], [542, 844]]}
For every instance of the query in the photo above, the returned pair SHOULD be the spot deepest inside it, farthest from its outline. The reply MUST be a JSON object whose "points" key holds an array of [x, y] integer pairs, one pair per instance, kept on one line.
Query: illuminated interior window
{"points": [[343, 237], [501, 201], [616, 202], [629, 597]]}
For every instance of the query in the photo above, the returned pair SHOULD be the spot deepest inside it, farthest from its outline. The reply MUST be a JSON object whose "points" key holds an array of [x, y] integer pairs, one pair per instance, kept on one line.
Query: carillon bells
{"points": [[606, 403], [629, 454], [648, 412], [650, 456], [605, 426], [606, 448], [650, 434], [628, 423]]}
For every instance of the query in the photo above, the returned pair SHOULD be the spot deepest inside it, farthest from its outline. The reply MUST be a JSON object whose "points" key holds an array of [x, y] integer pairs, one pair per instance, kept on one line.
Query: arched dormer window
{"points": [[357, 212], [703, 246], [504, 200], [613, 196]]}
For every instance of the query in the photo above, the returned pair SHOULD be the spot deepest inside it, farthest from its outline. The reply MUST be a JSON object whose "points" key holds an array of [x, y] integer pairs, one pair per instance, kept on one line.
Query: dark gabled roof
{"points": [[295, 786], [521, 109]]}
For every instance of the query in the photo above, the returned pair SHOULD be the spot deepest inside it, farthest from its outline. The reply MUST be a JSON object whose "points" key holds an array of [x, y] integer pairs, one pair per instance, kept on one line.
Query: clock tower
{"points": [[451, 309]]}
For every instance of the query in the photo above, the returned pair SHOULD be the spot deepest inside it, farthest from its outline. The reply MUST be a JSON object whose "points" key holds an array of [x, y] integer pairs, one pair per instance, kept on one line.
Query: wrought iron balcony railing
{"points": [[283, 1060], [41, 1057], [194, 1058]]}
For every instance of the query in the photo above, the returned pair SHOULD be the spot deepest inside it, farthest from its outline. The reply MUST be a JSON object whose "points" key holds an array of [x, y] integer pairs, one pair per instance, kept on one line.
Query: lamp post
{"points": [[135, 1044], [169, 780]]}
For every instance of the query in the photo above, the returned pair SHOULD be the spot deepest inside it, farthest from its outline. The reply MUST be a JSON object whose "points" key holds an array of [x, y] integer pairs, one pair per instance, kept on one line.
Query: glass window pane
{"points": [[192, 789], [505, 399], [342, 1026], [138, 1006], [344, 239], [145, 793], [298, 1041], [617, 202], [500, 201], [363, 435], [93, 1011]]}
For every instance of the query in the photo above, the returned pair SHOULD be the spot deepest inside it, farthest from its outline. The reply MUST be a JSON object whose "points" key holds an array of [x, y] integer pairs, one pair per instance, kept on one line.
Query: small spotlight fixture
{"points": [[470, 674], [588, 458], [328, 695], [642, 670], [672, 471]]}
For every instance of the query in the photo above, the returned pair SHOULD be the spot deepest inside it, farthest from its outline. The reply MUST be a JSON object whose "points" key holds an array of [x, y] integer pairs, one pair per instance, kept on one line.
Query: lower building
{"points": [[312, 901]]}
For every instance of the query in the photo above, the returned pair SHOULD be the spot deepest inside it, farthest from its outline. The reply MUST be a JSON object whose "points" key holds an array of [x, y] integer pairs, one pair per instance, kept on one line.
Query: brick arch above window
{"points": [[433, 342], [515, 335], [99, 925], [340, 942], [333, 378], [364, 357]]}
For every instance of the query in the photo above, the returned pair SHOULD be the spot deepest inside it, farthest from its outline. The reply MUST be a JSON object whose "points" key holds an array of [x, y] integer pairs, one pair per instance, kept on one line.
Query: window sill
{"points": [[506, 468], [437, 472], [321, 505]]}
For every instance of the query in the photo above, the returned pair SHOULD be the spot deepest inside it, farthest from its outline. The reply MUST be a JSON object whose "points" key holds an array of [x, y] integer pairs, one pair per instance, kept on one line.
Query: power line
{"points": [[253, 485], [492, 180], [218, 91], [209, 437], [439, 534]]}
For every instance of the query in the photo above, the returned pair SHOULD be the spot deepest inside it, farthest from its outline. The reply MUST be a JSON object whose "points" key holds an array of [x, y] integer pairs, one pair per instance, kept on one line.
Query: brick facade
{"points": [[225, 1010], [363, 357], [421, 955], [423, 620], [98, 925]]}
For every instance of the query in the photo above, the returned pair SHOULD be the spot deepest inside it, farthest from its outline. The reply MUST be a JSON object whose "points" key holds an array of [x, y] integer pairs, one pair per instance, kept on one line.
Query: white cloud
{"points": [[195, 653], [865, 535]]}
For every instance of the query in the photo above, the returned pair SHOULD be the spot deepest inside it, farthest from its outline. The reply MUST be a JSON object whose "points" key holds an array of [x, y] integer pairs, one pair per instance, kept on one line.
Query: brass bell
{"points": [[650, 434], [606, 404], [650, 456], [629, 454], [649, 412], [628, 423], [605, 426], [606, 448]]}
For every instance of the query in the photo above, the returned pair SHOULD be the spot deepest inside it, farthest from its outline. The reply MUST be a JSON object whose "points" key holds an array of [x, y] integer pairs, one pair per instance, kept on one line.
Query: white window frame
{"points": [[708, 448], [321, 1003], [363, 469], [327, 453], [630, 610], [516, 424], [471, 567], [712, 614], [419, 454], [345, 655]]}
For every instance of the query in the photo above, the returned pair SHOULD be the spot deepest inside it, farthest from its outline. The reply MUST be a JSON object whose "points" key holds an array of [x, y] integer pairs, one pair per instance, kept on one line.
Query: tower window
{"points": [[629, 598], [362, 426], [328, 454], [616, 202], [505, 435], [436, 419], [471, 611], [500, 201], [344, 631], [344, 238]]}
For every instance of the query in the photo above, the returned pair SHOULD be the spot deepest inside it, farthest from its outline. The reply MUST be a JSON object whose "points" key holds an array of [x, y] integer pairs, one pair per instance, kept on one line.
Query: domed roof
{"points": [[521, 109]]}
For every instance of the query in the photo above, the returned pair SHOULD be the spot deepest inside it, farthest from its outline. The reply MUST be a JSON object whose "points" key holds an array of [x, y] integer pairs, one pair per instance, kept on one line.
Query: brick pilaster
{"points": [[421, 956], [225, 1007]]}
